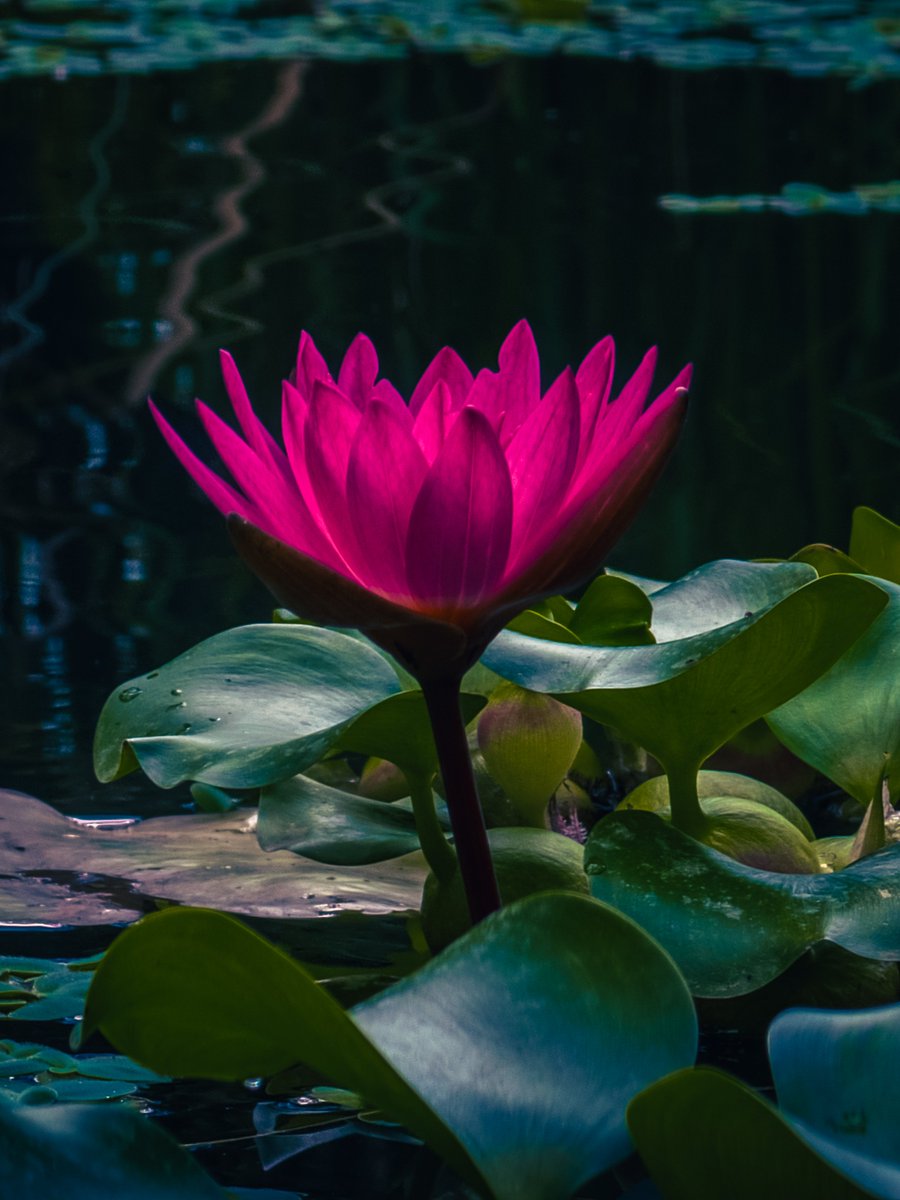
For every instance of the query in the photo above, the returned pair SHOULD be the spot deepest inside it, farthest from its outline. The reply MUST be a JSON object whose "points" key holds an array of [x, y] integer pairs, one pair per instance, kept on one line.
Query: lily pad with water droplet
{"points": [[245, 708]]}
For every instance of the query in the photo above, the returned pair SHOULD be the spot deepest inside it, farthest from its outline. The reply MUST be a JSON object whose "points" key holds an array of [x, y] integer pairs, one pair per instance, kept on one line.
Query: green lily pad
{"points": [[847, 723], [681, 699], [526, 1107], [330, 826], [537, 625], [82, 1151], [731, 928], [399, 730], [97, 876], [653, 795], [245, 708], [834, 1073], [827, 560], [613, 612], [712, 604], [703, 1135], [875, 543]]}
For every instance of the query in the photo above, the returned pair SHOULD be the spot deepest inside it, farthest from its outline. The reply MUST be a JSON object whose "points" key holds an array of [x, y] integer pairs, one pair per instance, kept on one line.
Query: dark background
{"points": [[147, 220]]}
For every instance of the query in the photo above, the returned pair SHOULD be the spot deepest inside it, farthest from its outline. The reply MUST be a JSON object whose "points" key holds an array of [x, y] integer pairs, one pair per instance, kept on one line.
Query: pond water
{"points": [[224, 176], [150, 218]]}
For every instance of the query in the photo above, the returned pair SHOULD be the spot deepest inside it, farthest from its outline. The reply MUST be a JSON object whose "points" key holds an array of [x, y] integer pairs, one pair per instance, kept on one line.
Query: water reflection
{"points": [[153, 218]]}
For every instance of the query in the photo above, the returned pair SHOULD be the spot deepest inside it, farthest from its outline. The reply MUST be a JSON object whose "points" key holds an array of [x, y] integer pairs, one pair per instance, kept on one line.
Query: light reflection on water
{"points": [[155, 218]]}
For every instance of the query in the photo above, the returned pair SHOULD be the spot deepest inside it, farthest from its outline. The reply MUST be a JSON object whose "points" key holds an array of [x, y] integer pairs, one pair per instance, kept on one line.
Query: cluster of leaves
{"points": [[516, 1051], [72, 37], [795, 200]]}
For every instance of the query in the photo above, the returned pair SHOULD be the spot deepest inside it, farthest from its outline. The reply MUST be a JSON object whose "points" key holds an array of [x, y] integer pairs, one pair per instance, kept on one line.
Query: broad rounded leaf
{"points": [[847, 723], [247, 707], [683, 699], [835, 1074], [84, 1151], [731, 928], [528, 1106], [704, 1135]]}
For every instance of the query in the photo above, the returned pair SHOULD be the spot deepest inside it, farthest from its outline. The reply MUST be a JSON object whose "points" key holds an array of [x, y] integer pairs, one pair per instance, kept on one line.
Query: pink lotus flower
{"points": [[428, 525]]}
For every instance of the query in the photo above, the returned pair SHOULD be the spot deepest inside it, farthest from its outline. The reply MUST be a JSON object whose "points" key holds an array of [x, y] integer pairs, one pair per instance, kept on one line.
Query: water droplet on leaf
{"points": [[129, 693]]}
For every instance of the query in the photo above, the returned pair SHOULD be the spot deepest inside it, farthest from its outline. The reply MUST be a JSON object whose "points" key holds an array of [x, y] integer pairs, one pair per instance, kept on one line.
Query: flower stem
{"points": [[470, 836], [684, 802], [439, 854]]}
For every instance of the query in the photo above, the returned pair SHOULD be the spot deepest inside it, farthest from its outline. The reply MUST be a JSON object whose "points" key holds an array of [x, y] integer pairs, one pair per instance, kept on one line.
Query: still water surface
{"points": [[149, 219]]}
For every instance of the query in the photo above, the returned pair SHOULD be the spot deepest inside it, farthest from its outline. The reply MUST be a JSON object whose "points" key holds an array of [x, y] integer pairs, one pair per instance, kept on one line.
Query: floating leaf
{"points": [[201, 858], [731, 928], [703, 1135], [526, 1107], [247, 707]]}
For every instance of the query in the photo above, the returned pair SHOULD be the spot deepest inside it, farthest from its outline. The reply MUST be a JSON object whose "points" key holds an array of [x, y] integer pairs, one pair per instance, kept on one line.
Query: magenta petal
{"points": [[331, 426], [384, 474], [385, 391], [594, 378], [432, 423], [311, 367], [359, 371], [520, 377], [461, 522], [224, 497], [255, 432], [267, 489], [448, 368], [619, 416], [542, 458], [293, 421], [489, 396]]}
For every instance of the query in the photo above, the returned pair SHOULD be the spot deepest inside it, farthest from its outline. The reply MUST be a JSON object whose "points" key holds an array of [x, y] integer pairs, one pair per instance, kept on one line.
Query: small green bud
{"points": [[529, 742], [382, 780]]}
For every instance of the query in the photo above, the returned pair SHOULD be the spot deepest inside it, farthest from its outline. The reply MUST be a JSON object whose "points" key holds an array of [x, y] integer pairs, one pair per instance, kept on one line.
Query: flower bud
{"points": [[529, 742]]}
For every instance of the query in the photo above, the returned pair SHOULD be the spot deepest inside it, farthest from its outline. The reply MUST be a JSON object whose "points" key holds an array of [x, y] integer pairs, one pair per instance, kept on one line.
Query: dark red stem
{"points": [[466, 818]]}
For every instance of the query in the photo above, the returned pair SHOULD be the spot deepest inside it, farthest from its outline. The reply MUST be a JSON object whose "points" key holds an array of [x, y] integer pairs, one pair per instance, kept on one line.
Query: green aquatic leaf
{"points": [[704, 1135], [684, 698], [526, 1108], [653, 795], [200, 858], [834, 1073], [875, 544], [85, 1151], [245, 708], [613, 612], [847, 723], [731, 928], [398, 729], [331, 826]]}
